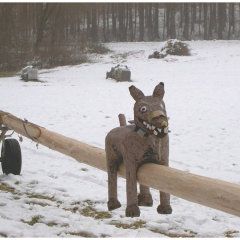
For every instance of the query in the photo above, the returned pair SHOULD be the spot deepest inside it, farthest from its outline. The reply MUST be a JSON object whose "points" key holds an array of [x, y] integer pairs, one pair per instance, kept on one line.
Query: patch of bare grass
{"points": [[38, 196], [188, 234], [82, 234], [3, 235], [5, 188], [51, 224], [229, 233], [73, 209], [135, 225], [42, 197], [90, 211], [5, 74], [34, 220], [37, 203]]}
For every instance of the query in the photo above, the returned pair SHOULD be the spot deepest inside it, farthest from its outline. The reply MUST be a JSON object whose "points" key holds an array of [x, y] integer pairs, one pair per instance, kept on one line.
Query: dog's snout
{"points": [[156, 114], [164, 124]]}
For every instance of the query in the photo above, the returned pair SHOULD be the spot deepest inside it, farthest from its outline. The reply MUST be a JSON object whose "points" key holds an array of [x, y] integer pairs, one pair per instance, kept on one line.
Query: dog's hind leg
{"points": [[112, 168], [144, 197]]}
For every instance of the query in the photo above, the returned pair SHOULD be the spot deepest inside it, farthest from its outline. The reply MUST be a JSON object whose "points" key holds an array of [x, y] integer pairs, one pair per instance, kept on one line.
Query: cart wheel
{"points": [[12, 160]]}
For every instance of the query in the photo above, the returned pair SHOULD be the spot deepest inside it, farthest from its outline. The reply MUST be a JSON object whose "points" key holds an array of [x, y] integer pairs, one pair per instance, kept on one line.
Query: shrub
{"points": [[97, 48], [172, 47], [176, 47]]}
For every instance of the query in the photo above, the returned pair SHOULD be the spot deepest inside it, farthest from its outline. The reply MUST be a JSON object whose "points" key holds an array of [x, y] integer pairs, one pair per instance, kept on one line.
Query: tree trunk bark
{"points": [[120, 21], [114, 27], [47, 9], [104, 23], [126, 22], [233, 17], [150, 22], [167, 8], [135, 21], [141, 21], [220, 20], [200, 19], [194, 12], [186, 22], [211, 19], [205, 7], [131, 21], [172, 20], [94, 31], [156, 33]]}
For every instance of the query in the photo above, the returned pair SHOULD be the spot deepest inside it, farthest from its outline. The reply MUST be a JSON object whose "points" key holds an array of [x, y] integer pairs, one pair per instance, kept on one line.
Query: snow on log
{"points": [[217, 194]]}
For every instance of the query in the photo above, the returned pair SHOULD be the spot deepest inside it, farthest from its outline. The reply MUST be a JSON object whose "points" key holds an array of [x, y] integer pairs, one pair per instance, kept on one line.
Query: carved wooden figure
{"points": [[145, 141]]}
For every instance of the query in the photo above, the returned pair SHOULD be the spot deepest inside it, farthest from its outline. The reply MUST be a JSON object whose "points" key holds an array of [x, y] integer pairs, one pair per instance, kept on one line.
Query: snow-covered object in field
{"points": [[120, 73], [144, 142], [29, 73], [172, 47]]}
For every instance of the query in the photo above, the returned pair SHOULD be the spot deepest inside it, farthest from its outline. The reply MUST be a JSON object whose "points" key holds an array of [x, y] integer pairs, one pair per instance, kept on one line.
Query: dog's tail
{"points": [[122, 119]]}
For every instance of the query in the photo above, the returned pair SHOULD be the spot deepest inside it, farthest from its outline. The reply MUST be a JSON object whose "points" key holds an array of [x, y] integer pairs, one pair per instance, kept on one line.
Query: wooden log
{"points": [[217, 194], [23, 127]]}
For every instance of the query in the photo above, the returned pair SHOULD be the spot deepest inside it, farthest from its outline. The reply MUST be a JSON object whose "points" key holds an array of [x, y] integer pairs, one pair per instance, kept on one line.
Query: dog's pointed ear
{"points": [[159, 90], [136, 93]]}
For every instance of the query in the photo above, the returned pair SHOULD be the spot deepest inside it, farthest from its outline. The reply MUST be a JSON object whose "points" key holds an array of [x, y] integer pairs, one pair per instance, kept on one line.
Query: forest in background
{"points": [[53, 34]]}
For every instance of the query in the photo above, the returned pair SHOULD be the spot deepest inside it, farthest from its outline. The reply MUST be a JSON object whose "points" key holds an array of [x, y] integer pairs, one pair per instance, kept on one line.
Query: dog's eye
{"points": [[143, 109]]}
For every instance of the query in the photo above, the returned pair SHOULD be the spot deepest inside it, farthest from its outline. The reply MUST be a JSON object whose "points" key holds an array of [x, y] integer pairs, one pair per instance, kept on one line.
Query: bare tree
{"points": [[186, 22], [130, 21], [126, 22], [104, 22], [141, 21], [5, 24], [121, 21], [205, 11], [230, 19], [211, 21], [156, 25], [44, 10], [193, 16], [170, 20], [114, 27], [94, 30], [221, 19]]}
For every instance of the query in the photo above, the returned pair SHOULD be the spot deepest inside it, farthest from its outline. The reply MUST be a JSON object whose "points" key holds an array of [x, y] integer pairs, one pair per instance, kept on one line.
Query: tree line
{"points": [[32, 27]]}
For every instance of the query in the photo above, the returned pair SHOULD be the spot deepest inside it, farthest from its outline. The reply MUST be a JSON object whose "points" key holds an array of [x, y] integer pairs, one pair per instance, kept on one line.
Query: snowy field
{"points": [[56, 196]]}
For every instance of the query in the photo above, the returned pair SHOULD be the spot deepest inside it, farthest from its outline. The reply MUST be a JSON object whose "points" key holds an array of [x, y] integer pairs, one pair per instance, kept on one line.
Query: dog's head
{"points": [[149, 111]]}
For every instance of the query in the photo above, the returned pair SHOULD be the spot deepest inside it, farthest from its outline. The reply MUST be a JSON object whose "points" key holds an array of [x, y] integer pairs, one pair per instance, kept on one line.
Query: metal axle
{"points": [[3, 136]]}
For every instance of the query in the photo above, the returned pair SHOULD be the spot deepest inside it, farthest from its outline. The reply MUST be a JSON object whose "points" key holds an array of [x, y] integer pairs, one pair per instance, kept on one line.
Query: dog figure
{"points": [[145, 141]]}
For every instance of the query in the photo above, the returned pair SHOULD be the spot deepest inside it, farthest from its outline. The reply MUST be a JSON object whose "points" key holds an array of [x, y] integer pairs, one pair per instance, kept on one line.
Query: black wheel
{"points": [[12, 157]]}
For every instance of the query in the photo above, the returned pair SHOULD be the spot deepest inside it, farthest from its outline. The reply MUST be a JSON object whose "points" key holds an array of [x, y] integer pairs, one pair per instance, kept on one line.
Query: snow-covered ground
{"points": [[56, 196]]}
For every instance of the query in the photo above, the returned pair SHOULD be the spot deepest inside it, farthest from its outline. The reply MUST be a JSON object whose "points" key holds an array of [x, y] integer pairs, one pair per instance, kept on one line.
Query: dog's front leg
{"points": [[164, 207], [132, 209]]}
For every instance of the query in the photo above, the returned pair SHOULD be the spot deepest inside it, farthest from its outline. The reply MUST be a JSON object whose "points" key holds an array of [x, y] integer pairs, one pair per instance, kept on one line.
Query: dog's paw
{"points": [[145, 200], [132, 211], [164, 209], [113, 204]]}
